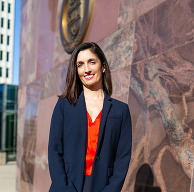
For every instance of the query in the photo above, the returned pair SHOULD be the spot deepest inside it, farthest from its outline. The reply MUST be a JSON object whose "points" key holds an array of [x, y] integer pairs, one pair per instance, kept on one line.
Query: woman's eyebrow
{"points": [[92, 59], [79, 62]]}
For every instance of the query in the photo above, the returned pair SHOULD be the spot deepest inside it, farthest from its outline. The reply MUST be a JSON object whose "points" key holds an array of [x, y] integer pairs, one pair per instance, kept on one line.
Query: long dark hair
{"points": [[73, 86]]}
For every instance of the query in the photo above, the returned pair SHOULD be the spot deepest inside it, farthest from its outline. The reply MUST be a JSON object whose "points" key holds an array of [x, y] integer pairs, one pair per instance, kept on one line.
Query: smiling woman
{"points": [[90, 134]]}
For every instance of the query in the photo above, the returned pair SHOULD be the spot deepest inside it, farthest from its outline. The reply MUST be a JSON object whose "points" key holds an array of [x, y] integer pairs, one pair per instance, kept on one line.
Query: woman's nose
{"points": [[87, 68]]}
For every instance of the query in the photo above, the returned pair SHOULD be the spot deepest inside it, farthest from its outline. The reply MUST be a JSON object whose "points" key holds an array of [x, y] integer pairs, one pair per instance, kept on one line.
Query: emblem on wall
{"points": [[75, 17]]}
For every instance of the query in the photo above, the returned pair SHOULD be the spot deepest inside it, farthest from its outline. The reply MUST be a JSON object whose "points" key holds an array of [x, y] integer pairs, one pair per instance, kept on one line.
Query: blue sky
{"points": [[16, 57]]}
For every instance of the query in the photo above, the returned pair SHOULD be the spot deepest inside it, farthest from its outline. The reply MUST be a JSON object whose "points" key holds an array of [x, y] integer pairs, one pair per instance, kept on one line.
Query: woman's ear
{"points": [[103, 68]]}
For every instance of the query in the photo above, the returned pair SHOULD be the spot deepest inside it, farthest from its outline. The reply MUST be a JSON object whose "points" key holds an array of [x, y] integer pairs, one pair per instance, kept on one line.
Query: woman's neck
{"points": [[94, 100], [94, 94]]}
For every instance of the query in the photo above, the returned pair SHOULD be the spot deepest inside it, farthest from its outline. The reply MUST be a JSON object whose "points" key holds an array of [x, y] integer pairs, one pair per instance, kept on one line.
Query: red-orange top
{"points": [[91, 142]]}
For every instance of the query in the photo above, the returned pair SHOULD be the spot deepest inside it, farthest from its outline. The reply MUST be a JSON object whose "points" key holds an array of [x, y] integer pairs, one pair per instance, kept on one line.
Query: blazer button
{"points": [[97, 158]]}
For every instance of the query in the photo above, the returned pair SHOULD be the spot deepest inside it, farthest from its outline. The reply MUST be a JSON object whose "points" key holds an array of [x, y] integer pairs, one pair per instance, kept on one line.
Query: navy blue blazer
{"points": [[67, 146]]}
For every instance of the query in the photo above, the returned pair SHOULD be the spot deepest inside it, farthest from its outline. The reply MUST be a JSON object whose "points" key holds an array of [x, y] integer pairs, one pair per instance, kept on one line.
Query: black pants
{"points": [[87, 183]]}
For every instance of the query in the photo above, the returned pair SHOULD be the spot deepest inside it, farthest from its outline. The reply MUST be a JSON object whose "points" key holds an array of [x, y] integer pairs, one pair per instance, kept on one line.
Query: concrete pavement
{"points": [[8, 177]]}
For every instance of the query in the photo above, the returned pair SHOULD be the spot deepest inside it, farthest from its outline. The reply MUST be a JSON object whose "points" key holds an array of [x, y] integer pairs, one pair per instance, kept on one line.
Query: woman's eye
{"points": [[92, 62], [79, 64]]}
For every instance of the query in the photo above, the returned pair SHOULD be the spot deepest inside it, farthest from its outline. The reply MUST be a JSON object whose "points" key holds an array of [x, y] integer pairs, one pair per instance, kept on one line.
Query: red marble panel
{"points": [[173, 174], [23, 2], [21, 97], [46, 40], [105, 20], [29, 136], [132, 9], [192, 181], [33, 92], [29, 41], [120, 81], [168, 25], [118, 47], [20, 133], [46, 107], [52, 83], [64, 68], [161, 100], [60, 56]]}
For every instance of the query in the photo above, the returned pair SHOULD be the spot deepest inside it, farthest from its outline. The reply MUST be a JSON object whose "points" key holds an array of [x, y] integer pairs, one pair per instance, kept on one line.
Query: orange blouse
{"points": [[91, 142]]}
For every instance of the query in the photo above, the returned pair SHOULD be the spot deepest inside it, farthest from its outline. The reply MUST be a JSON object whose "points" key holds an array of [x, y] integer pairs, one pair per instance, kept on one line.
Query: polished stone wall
{"points": [[149, 45]]}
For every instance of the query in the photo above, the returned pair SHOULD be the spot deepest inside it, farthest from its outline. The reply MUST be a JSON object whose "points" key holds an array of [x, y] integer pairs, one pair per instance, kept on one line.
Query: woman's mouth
{"points": [[88, 77]]}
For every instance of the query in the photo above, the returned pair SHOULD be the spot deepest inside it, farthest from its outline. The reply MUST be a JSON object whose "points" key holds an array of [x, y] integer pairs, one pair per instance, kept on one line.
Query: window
{"points": [[7, 56], [7, 72], [1, 39], [9, 8], [8, 24], [0, 71], [8, 40], [2, 22], [1, 55], [2, 6]]}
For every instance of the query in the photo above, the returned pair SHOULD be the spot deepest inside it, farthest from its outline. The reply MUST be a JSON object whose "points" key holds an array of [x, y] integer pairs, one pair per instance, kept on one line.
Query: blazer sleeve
{"points": [[55, 151], [123, 154]]}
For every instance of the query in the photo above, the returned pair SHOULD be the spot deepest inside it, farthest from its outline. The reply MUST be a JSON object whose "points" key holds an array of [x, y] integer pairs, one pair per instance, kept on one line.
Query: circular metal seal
{"points": [[74, 22]]}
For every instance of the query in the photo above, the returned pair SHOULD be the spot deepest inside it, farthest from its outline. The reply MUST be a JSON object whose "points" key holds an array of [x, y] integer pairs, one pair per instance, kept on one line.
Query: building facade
{"points": [[7, 14], [149, 46]]}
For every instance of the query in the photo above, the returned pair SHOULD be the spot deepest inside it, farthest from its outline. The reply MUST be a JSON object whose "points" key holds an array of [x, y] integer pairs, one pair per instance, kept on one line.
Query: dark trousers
{"points": [[87, 183]]}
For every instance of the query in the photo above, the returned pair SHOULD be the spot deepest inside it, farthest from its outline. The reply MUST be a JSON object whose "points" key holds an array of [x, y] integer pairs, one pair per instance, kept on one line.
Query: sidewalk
{"points": [[8, 177]]}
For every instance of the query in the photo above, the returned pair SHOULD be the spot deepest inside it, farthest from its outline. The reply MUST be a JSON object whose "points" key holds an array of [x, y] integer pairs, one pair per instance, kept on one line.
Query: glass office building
{"points": [[8, 120]]}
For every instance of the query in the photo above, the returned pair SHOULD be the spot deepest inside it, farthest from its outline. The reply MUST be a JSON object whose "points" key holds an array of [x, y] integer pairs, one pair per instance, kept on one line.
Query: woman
{"points": [[90, 133]]}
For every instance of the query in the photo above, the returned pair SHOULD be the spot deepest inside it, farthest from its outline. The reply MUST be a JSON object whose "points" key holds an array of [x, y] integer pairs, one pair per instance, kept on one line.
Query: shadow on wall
{"points": [[144, 180]]}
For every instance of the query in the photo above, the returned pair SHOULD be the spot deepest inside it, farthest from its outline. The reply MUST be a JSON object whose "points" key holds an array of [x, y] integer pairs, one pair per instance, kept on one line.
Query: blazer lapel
{"points": [[106, 108], [81, 107]]}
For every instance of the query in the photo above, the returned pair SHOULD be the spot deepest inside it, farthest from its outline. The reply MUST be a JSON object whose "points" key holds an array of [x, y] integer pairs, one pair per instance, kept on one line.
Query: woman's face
{"points": [[89, 69]]}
